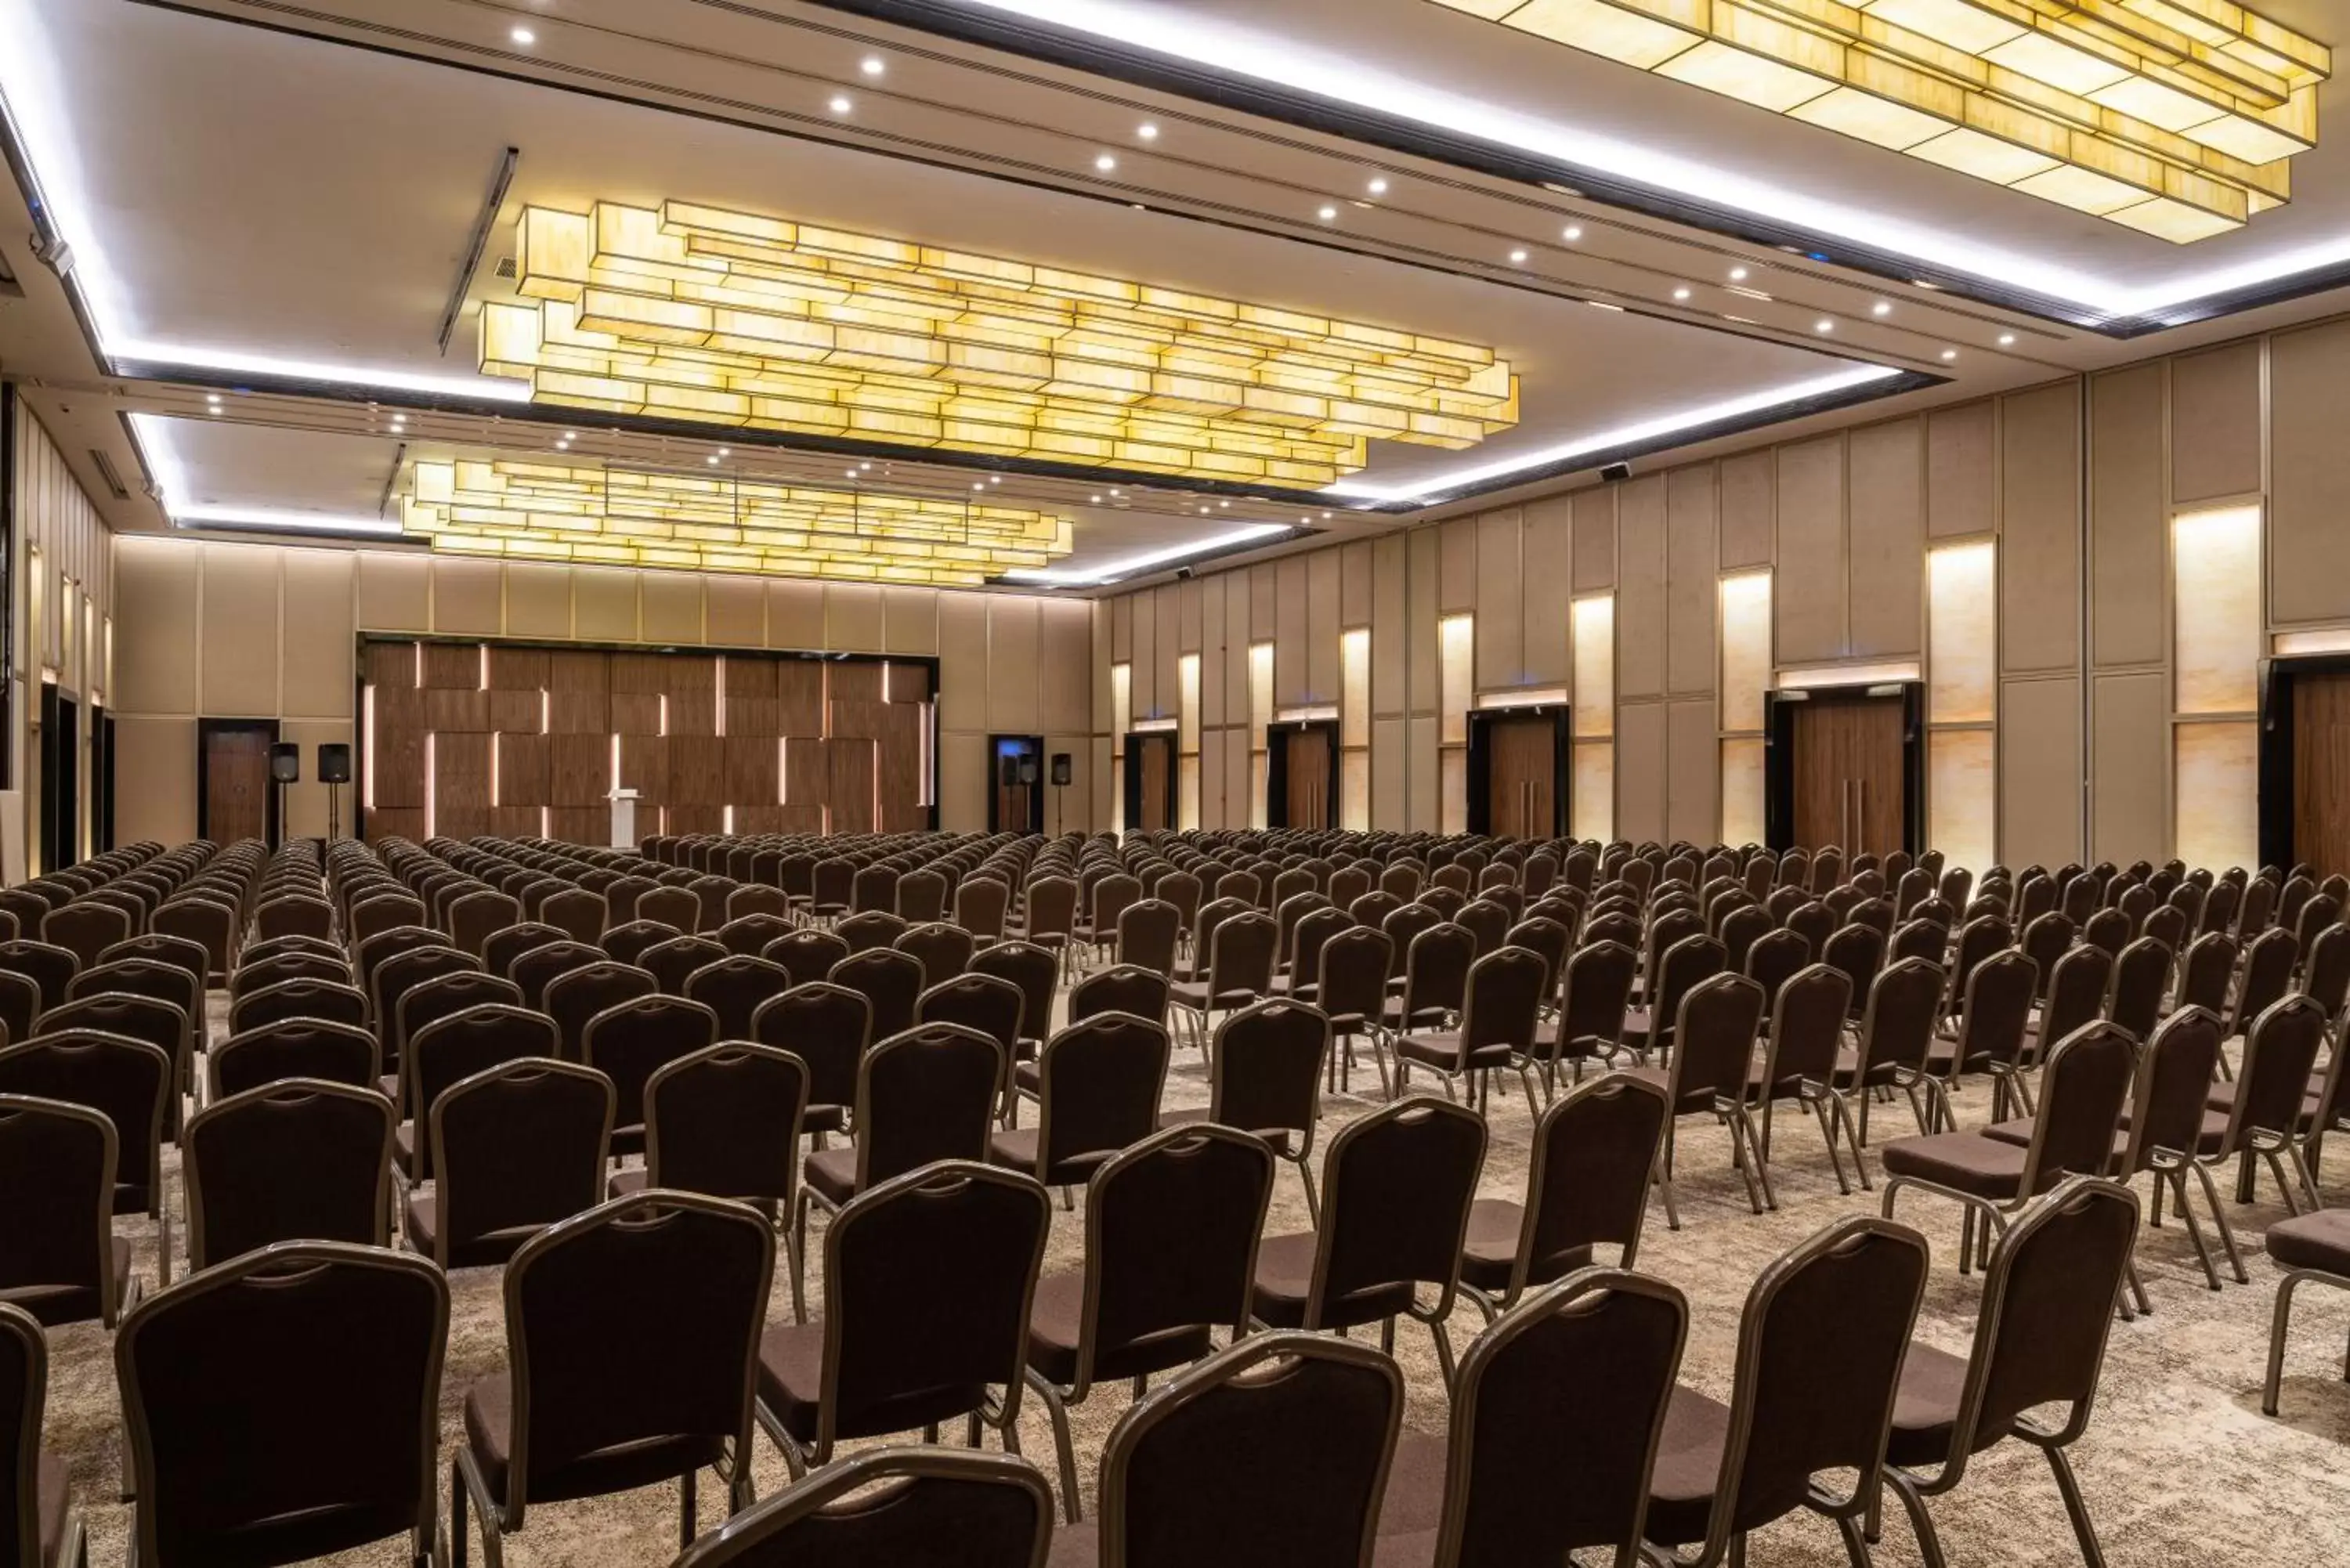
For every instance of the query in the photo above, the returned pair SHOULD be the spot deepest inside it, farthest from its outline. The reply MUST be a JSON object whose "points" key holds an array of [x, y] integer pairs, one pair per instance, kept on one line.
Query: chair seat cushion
{"points": [[1284, 1281], [2019, 1130], [1028, 1076], [1964, 1162], [1688, 1467], [403, 1150], [1441, 1048], [1490, 1251], [832, 1173], [635, 1179], [55, 1306], [790, 1376], [1056, 1318], [1074, 1546], [1415, 1495], [56, 1501], [489, 1432], [2319, 1240], [1926, 1406], [1014, 1147], [1283, 1139], [423, 1220], [1190, 993]]}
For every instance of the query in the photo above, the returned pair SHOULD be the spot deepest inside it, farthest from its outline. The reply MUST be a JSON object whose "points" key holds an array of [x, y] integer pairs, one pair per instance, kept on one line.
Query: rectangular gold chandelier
{"points": [[2178, 118], [728, 318], [714, 523]]}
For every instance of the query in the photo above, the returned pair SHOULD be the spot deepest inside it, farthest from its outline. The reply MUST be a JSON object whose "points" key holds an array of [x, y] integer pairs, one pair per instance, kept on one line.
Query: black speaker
{"points": [[1062, 772], [1007, 772], [1028, 769], [285, 763], [335, 764]]}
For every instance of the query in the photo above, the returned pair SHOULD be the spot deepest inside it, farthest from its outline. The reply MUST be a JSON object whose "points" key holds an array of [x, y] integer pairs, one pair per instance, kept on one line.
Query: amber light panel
{"points": [[2177, 117], [728, 318]]}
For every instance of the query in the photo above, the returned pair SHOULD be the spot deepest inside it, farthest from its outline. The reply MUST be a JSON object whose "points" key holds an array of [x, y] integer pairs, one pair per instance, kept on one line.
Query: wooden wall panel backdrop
{"points": [[525, 739]]}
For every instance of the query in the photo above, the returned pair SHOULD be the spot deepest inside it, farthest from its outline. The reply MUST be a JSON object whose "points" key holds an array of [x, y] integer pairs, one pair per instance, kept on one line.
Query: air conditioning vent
{"points": [[507, 268], [109, 474]]}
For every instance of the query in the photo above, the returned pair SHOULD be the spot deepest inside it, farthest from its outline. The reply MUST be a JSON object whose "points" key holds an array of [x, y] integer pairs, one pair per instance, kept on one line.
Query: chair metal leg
{"points": [[2138, 1290], [1854, 1548], [1844, 1115], [1664, 1179], [2220, 1218], [2279, 1319], [1057, 1409], [685, 1510], [1443, 1350], [1827, 1137], [2285, 1184], [1922, 1523], [2177, 1178], [1313, 1204], [2068, 1485]]}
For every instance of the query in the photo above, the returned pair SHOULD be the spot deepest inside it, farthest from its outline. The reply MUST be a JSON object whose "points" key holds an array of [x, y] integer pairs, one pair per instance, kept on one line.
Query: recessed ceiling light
{"points": [[1105, 164], [2007, 339], [1325, 516], [215, 409], [1949, 353], [864, 468], [1573, 233], [1223, 504], [524, 37], [712, 460], [1517, 258], [1093, 501], [725, 451], [1881, 307], [1680, 293], [212, 397], [1147, 131], [1823, 324], [994, 479], [840, 104], [1329, 215], [979, 487], [1737, 274], [1203, 511], [1378, 187], [871, 66]]}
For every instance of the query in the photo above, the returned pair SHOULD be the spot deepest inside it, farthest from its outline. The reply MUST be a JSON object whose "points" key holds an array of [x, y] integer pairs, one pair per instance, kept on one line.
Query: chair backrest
{"points": [[1504, 997], [1267, 1077], [2269, 960], [1122, 987], [924, 1095], [2141, 975], [48, 966], [733, 987], [1592, 1157], [56, 1209], [23, 1393], [1679, 969], [673, 962], [1897, 1030], [1099, 1086], [888, 979], [1398, 1184], [1034, 969], [993, 1006], [1556, 1414], [627, 942], [331, 1461], [725, 1121], [979, 904], [680, 1280], [1998, 1013], [1148, 931], [806, 954], [1715, 1029], [130, 1082], [444, 996], [1351, 967], [903, 1505], [502, 947], [451, 1049], [944, 950], [575, 996], [921, 896], [1598, 990], [2325, 976], [957, 1231], [520, 1146], [294, 1048], [1807, 1021], [629, 1043], [300, 1159], [870, 929], [1290, 1433], [2084, 1086], [828, 1026], [254, 974], [2279, 1051], [1241, 953], [2167, 1102]]}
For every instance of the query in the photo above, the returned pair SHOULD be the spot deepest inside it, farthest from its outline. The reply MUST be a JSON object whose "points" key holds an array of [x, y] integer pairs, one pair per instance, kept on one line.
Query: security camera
{"points": [[1616, 472], [1182, 574]]}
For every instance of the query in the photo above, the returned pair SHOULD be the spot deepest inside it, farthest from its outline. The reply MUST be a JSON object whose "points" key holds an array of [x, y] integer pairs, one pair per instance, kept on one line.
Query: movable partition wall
{"points": [[459, 737]]}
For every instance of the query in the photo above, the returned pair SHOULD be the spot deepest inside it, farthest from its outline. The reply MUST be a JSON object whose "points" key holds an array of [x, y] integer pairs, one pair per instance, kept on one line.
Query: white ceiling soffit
{"points": [[1451, 87]]}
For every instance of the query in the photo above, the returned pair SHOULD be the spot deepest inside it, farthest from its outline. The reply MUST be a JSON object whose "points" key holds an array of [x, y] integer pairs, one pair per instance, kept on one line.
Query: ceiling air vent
{"points": [[107, 471], [507, 268]]}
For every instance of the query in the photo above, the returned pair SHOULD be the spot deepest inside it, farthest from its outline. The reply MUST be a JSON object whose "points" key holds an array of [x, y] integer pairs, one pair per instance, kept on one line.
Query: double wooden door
{"points": [[2321, 769], [238, 795], [1522, 777], [1849, 775], [1308, 770], [1152, 757]]}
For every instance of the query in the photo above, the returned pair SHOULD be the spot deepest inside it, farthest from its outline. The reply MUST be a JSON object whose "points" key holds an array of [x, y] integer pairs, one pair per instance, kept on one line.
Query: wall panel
{"points": [[1887, 540], [1690, 582], [1323, 620], [1693, 771], [1594, 539], [1456, 571], [1387, 641], [1809, 596], [1640, 586], [538, 598], [603, 604], [1962, 470], [160, 655], [1012, 685], [2129, 768], [1501, 644], [2127, 582], [1419, 625], [734, 608], [2040, 771], [1750, 496], [2309, 474], [1293, 634], [2215, 420], [468, 596], [395, 592], [795, 615], [241, 587], [910, 620], [317, 654], [1546, 560], [852, 617], [1063, 665], [1641, 773], [2039, 568], [1423, 805]]}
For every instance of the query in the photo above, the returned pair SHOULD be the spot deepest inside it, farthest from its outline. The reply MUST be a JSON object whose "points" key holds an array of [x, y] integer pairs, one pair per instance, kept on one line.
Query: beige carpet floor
{"points": [[2180, 1468]]}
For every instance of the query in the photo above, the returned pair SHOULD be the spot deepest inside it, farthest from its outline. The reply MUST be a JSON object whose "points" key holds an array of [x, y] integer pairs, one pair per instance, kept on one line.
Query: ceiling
{"points": [[271, 208]]}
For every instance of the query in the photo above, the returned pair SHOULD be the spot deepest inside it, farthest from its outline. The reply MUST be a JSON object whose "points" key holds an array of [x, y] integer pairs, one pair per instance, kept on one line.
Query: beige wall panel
{"points": [[1293, 646], [1265, 613], [155, 779], [1640, 586], [2040, 771], [1641, 773], [468, 596], [852, 617], [671, 606], [796, 616], [910, 620], [1121, 629], [1212, 779], [306, 802], [1189, 615], [1419, 626], [1962, 470], [1887, 539], [1387, 776], [1690, 578], [1808, 597], [240, 631], [1102, 619], [1237, 647], [604, 604], [963, 663], [1213, 671], [318, 648], [1389, 636], [962, 783], [395, 592], [1065, 664], [1236, 778], [1594, 539], [2309, 474], [1071, 810], [2218, 791], [1143, 694], [2215, 422], [1423, 803], [735, 609], [1693, 777], [1501, 653], [1355, 584], [2129, 768], [1546, 560], [1167, 631], [2126, 586], [1012, 667], [1105, 811], [1750, 505], [2040, 568], [538, 598], [1323, 618], [1456, 569], [157, 644]]}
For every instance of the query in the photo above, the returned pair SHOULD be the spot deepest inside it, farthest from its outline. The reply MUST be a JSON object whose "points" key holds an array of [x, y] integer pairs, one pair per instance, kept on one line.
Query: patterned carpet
{"points": [[2180, 1468]]}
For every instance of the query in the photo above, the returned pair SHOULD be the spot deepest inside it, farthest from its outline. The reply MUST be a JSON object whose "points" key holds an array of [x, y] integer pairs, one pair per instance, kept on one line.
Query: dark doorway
{"points": [[60, 820], [1150, 781], [101, 779], [1015, 797], [1518, 771], [2304, 790], [1845, 768], [1301, 773], [234, 796]]}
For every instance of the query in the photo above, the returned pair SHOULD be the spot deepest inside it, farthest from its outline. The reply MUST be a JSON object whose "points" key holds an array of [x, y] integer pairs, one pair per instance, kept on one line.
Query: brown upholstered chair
{"points": [[1799, 1062], [1592, 1158], [632, 1040], [1035, 971], [332, 1450], [807, 953], [475, 916], [1122, 987], [884, 1359], [293, 1048], [538, 966], [1994, 1033], [1265, 1078], [299, 998], [1400, 1183], [444, 996], [891, 981], [569, 1419], [828, 1027], [1500, 1005], [59, 1258], [86, 929], [2048, 1301], [1171, 1226], [895, 1505], [254, 974], [2259, 1117], [1896, 1039], [1820, 1348], [574, 911], [673, 962], [1719, 1021], [627, 942], [132, 1084], [161, 1023], [296, 1160], [981, 904], [1556, 1419], [46, 965], [734, 988], [1596, 996], [293, 914], [1097, 1086], [750, 933], [577, 995], [944, 950], [38, 1522], [519, 1146], [1239, 972], [676, 908], [870, 929], [2141, 976]]}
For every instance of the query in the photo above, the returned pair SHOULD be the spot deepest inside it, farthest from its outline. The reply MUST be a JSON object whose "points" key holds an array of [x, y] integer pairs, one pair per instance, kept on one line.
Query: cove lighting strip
{"points": [[737, 319]]}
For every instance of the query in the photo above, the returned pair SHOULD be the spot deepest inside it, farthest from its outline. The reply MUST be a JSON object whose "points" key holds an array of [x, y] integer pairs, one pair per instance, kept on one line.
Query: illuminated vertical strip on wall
{"points": [[1593, 790], [1121, 719], [1355, 730], [1962, 701], [1456, 687], [366, 747], [2216, 647], [429, 770], [1260, 720], [1187, 742], [1745, 599]]}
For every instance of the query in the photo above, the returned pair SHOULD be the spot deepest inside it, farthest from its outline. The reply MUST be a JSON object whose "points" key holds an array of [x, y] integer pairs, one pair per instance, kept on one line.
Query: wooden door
{"points": [[1522, 777], [1308, 765], [1848, 778], [236, 763], [1015, 802], [2321, 770], [1158, 759]]}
